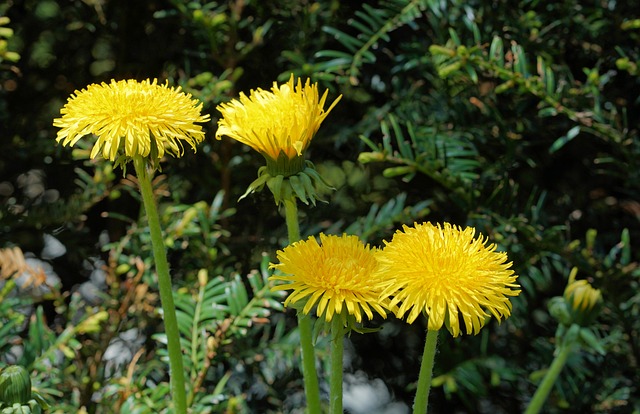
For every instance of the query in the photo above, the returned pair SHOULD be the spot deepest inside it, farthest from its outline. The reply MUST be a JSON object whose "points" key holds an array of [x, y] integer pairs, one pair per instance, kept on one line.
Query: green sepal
{"points": [[589, 341], [121, 161], [306, 184], [275, 184], [322, 326], [573, 333], [298, 187], [284, 165], [560, 311], [348, 321], [258, 183]]}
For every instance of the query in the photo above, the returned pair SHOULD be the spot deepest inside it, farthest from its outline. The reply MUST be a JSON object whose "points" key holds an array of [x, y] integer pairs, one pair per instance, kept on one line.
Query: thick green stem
{"points": [[337, 350], [164, 285], [541, 394], [291, 217], [426, 373], [311, 388]]}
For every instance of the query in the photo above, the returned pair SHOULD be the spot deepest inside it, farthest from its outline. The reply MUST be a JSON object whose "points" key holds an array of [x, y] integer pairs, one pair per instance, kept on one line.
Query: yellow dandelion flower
{"points": [[283, 120], [446, 272], [335, 274], [132, 118]]}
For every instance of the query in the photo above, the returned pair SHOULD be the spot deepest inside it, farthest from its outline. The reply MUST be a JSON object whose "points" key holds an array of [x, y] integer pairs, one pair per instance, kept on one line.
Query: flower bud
{"points": [[15, 386], [582, 299]]}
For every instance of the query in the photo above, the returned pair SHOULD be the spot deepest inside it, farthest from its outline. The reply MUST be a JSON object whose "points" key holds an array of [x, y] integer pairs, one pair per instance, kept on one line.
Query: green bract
{"points": [[287, 178], [15, 386]]}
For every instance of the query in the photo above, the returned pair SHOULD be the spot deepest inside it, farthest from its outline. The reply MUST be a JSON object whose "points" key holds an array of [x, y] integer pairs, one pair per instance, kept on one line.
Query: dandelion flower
{"points": [[132, 118], [283, 120], [446, 272], [336, 274]]}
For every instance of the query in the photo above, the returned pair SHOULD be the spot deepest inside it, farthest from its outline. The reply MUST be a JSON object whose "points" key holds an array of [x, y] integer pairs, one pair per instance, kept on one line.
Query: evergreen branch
{"points": [[372, 24]]}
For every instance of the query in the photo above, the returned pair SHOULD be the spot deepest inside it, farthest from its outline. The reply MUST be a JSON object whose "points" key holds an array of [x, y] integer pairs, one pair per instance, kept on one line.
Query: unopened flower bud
{"points": [[582, 299], [15, 385]]}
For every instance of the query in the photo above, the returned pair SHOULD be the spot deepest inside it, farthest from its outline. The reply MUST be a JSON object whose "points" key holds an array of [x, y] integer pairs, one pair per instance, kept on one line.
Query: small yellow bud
{"points": [[203, 277], [366, 157], [582, 299]]}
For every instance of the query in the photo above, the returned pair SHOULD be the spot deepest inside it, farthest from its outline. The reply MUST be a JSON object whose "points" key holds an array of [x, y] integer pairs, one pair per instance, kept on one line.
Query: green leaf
{"points": [[625, 241], [520, 60], [560, 142], [348, 41], [496, 51]]}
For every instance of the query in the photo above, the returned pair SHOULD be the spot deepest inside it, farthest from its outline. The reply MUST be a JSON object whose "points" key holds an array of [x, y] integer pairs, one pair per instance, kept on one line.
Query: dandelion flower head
{"points": [[335, 274], [283, 120], [132, 118], [447, 273]]}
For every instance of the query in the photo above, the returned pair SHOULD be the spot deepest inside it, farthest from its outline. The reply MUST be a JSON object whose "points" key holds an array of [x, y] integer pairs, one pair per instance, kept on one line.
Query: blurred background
{"points": [[519, 118]]}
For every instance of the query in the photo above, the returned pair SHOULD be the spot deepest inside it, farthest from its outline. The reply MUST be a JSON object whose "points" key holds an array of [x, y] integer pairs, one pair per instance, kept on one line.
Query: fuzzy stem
{"points": [[426, 373], [541, 394], [176, 372], [337, 350], [311, 388]]}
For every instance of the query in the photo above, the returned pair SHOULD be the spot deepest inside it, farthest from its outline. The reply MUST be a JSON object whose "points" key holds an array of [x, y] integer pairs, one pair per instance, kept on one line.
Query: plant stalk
{"points": [[420, 405], [311, 388], [337, 350], [541, 394], [176, 372]]}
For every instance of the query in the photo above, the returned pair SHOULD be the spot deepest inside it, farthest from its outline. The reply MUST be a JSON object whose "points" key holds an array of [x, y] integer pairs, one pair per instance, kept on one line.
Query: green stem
{"points": [[541, 394], [164, 285], [291, 217], [426, 373], [337, 349], [311, 388]]}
